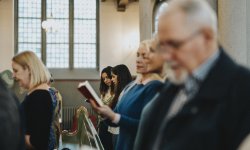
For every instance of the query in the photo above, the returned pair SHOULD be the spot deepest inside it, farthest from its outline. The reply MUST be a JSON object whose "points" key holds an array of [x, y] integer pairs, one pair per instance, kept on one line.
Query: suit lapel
{"points": [[168, 95], [213, 87], [162, 103]]}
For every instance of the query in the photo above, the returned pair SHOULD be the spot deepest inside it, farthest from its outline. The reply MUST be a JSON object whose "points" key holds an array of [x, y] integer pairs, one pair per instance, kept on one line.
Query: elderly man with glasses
{"points": [[209, 107]]}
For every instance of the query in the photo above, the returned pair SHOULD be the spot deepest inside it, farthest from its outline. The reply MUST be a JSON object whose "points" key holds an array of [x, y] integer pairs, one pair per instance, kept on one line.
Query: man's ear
{"points": [[208, 33]]}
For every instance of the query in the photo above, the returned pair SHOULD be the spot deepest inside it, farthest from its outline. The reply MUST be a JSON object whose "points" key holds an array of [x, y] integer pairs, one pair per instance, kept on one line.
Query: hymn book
{"points": [[86, 89]]}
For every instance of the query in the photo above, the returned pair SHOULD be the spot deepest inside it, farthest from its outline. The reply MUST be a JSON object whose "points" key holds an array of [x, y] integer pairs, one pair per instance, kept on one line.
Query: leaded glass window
{"points": [[74, 45]]}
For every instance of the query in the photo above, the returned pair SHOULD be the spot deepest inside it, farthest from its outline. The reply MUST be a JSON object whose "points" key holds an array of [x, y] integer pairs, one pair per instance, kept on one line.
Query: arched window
{"points": [[158, 7]]}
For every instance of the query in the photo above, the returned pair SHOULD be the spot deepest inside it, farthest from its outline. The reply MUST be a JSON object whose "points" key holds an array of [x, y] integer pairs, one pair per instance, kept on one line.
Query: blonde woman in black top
{"points": [[40, 103]]}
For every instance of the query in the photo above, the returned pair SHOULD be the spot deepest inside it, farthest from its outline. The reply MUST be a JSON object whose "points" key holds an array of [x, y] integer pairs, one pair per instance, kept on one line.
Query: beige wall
{"points": [[233, 28], [146, 18], [119, 34], [248, 31], [6, 34]]}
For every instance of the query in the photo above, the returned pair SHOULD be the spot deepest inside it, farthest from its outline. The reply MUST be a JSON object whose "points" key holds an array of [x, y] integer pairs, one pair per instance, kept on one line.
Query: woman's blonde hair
{"points": [[38, 72], [146, 44]]}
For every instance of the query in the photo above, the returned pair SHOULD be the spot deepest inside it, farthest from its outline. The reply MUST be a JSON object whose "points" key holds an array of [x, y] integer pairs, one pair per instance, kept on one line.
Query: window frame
{"points": [[70, 73], [156, 7]]}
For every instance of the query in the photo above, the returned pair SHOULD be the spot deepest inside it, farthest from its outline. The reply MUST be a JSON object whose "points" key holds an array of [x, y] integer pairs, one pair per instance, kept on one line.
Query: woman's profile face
{"points": [[114, 79], [21, 75], [106, 79], [141, 66], [154, 61]]}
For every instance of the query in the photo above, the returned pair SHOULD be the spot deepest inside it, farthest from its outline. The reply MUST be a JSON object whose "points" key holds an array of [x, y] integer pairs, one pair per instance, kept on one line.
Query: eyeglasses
{"points": [[174, 44]]}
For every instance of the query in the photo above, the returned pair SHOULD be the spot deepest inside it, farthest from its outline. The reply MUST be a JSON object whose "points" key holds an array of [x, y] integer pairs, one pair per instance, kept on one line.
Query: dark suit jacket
{"points": [[11, 136], [217, 118]]}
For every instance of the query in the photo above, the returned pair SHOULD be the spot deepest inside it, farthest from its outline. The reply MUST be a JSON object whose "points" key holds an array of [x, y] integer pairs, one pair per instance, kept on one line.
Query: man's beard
{"points": [[177, 79]]}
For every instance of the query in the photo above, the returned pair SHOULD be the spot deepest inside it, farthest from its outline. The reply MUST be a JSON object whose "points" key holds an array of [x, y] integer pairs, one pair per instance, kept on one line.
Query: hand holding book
{"points": [[86, 89], [104, 110]]}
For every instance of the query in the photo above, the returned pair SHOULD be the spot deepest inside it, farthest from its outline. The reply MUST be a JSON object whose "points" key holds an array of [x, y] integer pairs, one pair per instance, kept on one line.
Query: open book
{"points": [[86, 89]]}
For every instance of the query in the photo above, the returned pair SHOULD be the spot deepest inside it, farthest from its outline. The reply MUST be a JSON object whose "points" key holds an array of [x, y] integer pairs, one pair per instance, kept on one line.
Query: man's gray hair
{"points": [[198, 12]]}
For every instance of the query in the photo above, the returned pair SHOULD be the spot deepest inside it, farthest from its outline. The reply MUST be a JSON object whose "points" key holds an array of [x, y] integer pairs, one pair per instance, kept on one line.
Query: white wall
{"points": [[6, 33], [119, 34]]}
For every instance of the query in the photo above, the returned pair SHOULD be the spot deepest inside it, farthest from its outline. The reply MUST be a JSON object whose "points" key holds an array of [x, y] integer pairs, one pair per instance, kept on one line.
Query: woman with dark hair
{"points": [[121, 76], [106, 86], [107, 95], [127, 113]]}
